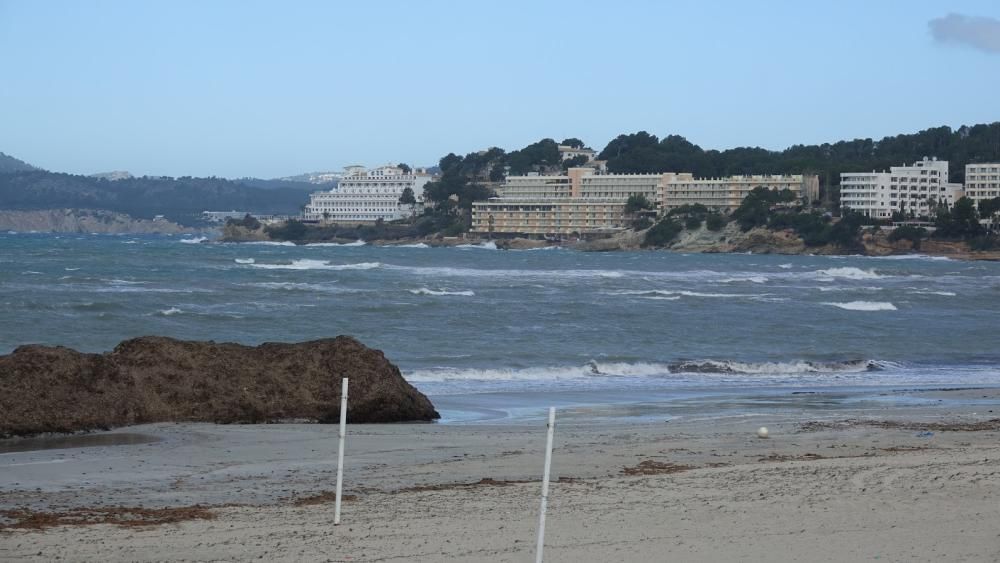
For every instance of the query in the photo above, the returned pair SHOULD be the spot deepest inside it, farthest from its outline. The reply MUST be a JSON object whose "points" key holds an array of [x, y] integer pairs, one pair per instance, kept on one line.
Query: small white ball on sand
{"points": [[762, 432]]}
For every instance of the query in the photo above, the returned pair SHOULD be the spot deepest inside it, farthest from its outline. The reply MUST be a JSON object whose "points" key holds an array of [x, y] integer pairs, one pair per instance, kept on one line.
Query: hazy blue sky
{"points": [[276, 88]]}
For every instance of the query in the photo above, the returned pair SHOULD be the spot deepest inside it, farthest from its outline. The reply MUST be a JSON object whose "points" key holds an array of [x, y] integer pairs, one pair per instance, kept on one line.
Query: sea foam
{"points": [[724, 369], [848, 273], [358, 242], [489, 245], [308, 264], [864, 306], [426, 291]]}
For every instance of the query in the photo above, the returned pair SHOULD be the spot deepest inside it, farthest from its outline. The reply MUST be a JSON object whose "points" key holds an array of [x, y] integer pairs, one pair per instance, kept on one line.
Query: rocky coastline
{"points": [[729, 239], [97, 221]]}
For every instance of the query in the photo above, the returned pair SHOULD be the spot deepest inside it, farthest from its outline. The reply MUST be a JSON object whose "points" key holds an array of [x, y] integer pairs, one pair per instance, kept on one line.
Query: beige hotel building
{"points": [[585, 202]]}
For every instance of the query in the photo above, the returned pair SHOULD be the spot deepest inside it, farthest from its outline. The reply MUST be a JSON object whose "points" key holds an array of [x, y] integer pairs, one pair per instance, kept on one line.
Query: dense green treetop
{"points": [[636, 203], [643, 152], [961, 221], [407, 197]]}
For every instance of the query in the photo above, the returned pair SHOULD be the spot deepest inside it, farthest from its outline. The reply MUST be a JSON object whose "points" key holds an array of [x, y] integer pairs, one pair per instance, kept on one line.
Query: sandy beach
{"points": [[918, 483]]}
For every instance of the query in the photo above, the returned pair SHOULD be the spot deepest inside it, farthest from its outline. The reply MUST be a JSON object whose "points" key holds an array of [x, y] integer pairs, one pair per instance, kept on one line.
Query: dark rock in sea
{"points": [[157, 379]]}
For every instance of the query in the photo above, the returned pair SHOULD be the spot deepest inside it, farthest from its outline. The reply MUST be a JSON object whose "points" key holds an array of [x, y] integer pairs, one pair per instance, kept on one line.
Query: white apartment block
{"points": [[365, 196], [726, 194], [915, 190], [982, 181]]}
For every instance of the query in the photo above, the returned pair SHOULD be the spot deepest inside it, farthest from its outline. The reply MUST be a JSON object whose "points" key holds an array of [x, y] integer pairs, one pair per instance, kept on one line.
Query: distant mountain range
{"points": [[25, 187]]}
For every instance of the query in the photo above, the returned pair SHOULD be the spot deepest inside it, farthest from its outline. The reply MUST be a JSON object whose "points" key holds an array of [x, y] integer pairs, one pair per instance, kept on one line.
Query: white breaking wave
{"points": [[426, 291], [752, 279], [864, 306], [913, 257], [416, 245], [668, 292], [245, 260], [931, 292], [307, 264], [195, 240], [779, 368], [785, 266], [268, 243], [447, 271], [490, 245], [358, 242], [849, 273], [298, 286], [547, 373], [702, 368], [863, 288], [170, 311]]}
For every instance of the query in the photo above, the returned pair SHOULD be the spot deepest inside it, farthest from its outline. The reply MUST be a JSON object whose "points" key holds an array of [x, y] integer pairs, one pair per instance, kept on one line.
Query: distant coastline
{"points": [[98, 221], [730, 240]]}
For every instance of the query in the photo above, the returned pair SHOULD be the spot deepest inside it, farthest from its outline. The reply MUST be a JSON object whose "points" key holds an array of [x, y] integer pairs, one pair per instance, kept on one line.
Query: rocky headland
{"points": [[157, 379], [84, 221]]}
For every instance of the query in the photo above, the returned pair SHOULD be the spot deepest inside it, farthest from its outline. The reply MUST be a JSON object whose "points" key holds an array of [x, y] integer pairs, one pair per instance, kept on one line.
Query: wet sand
{"points": [[919, 481]]}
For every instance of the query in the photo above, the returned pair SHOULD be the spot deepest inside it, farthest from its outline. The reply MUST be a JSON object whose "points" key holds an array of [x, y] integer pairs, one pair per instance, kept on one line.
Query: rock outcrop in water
{"points": [[157, 379]]}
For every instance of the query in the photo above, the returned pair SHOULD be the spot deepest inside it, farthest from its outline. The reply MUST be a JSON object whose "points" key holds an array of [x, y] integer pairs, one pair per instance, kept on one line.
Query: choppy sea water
{"points": [[493, 334]]}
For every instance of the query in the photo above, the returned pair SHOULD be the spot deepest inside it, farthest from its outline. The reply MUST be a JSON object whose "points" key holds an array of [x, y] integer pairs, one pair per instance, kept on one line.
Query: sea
{"points": [[499, 335]]}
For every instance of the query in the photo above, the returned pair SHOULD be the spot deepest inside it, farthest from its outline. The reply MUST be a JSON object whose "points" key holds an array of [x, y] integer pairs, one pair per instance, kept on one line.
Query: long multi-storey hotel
{"points": [[726, 194], [913, 190], [364, 196], [585, 202]]}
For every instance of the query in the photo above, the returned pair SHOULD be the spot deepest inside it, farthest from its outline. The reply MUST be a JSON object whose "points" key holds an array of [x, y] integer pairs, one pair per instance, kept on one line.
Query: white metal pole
{"points": [[340, 451], [545, 486]]}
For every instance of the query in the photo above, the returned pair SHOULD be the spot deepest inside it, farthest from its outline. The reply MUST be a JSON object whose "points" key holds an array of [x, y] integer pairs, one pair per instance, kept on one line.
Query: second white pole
{"points": [[340, 451], [545, 486]]}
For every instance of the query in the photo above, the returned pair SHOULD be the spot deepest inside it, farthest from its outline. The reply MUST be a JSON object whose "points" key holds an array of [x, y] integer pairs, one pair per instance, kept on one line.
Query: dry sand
{"points": [[693, 490]]}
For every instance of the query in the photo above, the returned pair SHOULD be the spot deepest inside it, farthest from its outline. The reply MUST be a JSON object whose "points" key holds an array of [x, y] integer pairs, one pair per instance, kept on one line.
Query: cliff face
{"points": [[157, 379], [83, 221], [878, 244]]}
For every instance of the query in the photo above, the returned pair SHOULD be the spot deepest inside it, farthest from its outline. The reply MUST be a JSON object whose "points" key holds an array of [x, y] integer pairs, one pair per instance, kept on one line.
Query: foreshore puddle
{"points": [[15, 445]]}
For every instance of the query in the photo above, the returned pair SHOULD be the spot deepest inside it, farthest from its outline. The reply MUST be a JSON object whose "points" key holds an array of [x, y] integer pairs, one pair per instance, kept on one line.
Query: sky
{"points": [[270, 89]]}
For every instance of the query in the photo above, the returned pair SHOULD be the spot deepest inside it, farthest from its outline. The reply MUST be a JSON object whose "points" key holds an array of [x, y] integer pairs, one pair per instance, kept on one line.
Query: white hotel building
{"points": [[982, 181], [910, 189], [365, 196]]}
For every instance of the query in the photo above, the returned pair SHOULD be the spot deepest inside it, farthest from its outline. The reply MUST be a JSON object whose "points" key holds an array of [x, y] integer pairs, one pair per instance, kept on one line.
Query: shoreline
{"points": [[693, 489], [756, 241]]}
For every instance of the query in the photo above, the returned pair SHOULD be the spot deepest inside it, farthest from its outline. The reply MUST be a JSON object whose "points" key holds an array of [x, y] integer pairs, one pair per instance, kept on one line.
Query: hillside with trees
{"points": [[646, 153], [464, 179], [179, 199], [10, 164]]}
